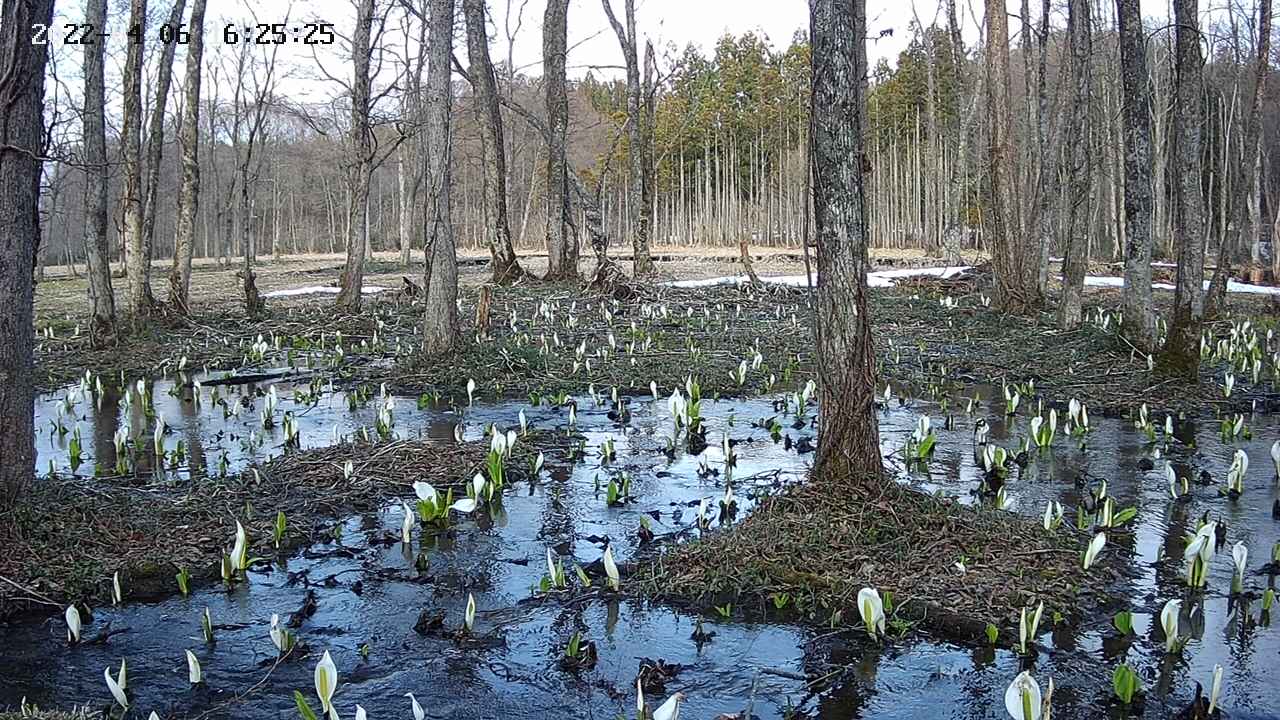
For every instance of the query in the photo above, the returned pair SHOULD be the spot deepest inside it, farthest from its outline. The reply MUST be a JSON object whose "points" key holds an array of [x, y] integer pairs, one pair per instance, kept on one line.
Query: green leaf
{"points": [[992, 633], [303, 708]]}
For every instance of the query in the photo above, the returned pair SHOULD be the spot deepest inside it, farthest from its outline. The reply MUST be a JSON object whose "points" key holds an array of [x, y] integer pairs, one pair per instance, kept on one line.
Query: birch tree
{"points": [[1076, 244], [440, 332], [849, 443], [506, 268], [1244, 184], [636, 135], [1016, 286], [102, 302], [155, 130], [189, 191], [1181, 353], [137, 266], [22, 65], [360, 162], [562, 241], [1139, 314]]}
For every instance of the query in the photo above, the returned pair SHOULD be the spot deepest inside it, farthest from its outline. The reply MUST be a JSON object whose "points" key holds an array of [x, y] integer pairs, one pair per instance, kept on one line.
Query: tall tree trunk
{"points": [[1244, 185], [562, 243], [1016, 286], [102, 301], [361, 162], [440, 332], [849, 443], [636, 134], [22, 65], [137, 266], [1076, 253], [1139, 315], [506, 269], [155, 132], [1181, 354], [189, 192], [648, 169]]}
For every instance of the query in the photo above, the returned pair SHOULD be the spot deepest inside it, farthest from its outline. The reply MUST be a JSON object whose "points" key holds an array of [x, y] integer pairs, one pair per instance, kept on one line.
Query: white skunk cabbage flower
{"points": [[466, 506], [653, 389], [326, 678], [471, 391], [469, 619], [240, 550], [1091, 553], [1275, 457], [116, 687], [871, 608], [406, 526], [360, 713], [611, 568], [418, 712], [477, 485], [1022, 699], [1240, 555], [73, 624], [278, 634], [669, 710], [425, 491], [1216, 690], [194, 674], [1169, 618]]}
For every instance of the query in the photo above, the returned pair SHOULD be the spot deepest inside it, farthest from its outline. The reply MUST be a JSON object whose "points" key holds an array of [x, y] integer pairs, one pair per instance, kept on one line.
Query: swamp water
{"points": [[370, 595]]}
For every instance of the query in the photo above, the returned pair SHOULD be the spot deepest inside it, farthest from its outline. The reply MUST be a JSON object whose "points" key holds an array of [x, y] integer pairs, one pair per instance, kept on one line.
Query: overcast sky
{"points": [[591, 40]]}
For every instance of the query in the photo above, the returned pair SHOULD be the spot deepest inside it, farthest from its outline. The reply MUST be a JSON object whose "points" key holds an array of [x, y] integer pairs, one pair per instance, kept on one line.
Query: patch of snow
{"points": [[886, 278], [1232, 285], [877, 279], [320, 290]]}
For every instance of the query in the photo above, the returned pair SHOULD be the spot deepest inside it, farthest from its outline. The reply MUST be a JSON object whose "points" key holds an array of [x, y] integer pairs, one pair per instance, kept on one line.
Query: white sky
{"points": [[591, 39]]}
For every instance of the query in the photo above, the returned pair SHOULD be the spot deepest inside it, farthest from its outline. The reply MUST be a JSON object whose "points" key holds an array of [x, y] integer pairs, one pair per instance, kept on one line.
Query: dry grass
{"points": [[819, 543], [69, 535]]}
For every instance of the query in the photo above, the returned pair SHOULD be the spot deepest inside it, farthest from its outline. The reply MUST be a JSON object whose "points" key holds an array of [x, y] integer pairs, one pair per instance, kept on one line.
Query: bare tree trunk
{"points": [[1244, 185], [155, 132], [1075, 258], [440, 332], [1181, 354], [137, 266], [506, 269], [1139, 315], [361, 162], [102, 301], [641, 262], [849, 443], [1017, 289], [189, 191], [22, 67], [562, 243]]}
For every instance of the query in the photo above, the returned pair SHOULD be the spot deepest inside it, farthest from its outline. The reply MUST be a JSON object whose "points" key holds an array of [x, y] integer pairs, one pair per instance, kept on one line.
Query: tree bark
{"points": [[440, 332], [1139, 316], [189, 190], [849, 442], [506, 269], [102, 301], [155, 132], [22, 67], [137, 266], [1181, 354], [636, 137], [1075, 257], [360, 140], [562, 243], [1016, 286], [1244, 185]]}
